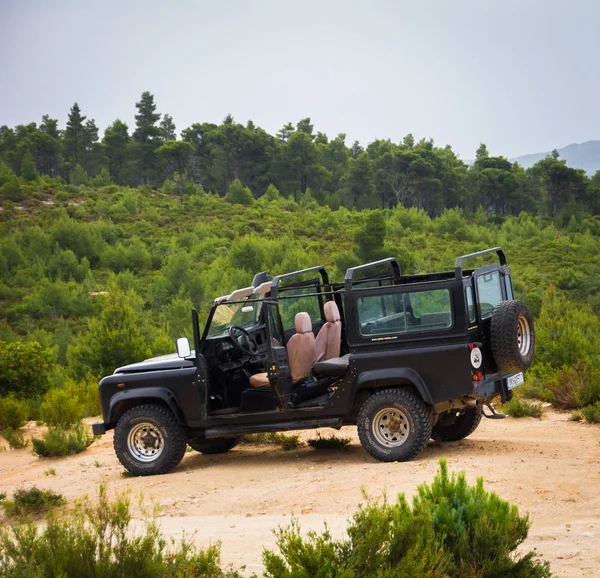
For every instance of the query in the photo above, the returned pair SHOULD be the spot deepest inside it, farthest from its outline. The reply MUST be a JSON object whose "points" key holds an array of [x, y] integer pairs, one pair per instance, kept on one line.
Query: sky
{"points": [[521, 76]]}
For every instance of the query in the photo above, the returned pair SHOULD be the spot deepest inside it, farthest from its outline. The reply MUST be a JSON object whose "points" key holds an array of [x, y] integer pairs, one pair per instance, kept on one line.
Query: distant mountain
{"points": [[584, 156]]}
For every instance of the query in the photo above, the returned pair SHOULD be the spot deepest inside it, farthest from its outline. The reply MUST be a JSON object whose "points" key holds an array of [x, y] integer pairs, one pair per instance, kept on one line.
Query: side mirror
{"points": [[183, 347]]}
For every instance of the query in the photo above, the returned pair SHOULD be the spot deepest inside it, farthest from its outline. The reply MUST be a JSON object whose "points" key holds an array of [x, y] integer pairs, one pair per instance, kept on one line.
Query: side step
{"points": [[494, 414], [232, 430]]}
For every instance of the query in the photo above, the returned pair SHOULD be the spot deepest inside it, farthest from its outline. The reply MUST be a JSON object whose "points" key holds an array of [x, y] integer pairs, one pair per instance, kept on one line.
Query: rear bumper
{"points": [[99, 428], [492, 386]]}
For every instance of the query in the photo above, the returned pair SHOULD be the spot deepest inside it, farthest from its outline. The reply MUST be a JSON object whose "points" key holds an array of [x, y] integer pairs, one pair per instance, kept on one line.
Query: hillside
{"points": [[584, 156]]}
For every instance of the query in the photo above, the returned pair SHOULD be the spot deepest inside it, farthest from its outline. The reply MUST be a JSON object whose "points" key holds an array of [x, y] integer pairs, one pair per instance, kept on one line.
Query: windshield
{"points": [[242, 313]]}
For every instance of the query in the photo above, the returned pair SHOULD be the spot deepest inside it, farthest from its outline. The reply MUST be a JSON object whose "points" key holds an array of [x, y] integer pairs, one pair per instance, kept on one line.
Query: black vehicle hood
{"points": [[172, 361]]}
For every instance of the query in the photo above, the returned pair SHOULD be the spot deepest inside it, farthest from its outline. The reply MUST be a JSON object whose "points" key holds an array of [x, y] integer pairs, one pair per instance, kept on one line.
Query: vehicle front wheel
{"points": [[453, 426], [394, 425], [213, 445], [149, 440]]}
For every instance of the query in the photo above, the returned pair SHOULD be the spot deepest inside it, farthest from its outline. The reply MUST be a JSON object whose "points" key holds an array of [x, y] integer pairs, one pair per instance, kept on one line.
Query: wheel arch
{"points": [[376, 379], [125, 400]]}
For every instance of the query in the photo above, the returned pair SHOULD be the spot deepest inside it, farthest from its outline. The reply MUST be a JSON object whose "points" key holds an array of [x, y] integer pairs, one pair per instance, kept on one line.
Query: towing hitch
{"points": [[494, 414]]}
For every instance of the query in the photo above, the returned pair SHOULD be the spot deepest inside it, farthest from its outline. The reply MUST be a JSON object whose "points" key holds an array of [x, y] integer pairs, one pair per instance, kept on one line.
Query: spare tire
{"points": [[512, 336]]}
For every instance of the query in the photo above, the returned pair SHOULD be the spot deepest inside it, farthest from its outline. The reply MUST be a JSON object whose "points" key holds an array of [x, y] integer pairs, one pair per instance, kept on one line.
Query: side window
{"points": [[488, 293], [289, 307], [470, 305], [405, 312]]}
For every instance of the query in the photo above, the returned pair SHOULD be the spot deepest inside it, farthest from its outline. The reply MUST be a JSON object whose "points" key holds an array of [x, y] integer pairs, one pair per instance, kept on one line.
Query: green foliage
{"points": [[370, 238], [287, 442], [31, 501], [239, 194], [13, 412], [28, 170], [96, 540], [327, 443], [452, 529], [60, 409], [113, 338], [60, 442], [24, 369], [592, 413], [15, 438], [518, 407]]}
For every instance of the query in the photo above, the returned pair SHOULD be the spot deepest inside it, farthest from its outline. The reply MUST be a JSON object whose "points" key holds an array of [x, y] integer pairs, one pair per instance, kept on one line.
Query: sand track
{"points": [[549, 468]]}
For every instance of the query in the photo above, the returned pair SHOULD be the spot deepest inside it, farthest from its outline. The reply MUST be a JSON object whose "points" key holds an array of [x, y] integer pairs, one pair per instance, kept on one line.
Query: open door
{"points": [[278, 368], [201, 376]]}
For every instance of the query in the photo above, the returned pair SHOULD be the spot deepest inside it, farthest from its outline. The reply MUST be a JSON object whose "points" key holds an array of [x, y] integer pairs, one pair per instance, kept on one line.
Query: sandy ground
{"points": [[549, 467]]}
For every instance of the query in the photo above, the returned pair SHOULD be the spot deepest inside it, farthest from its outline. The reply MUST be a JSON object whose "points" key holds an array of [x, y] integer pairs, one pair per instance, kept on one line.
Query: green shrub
{"points": [[13, 413], [452, 529], [239, 194], [575, 386], [60, 408], [518, 407], [576, 415], [60, 442], [24, 369], [96, 540], [326, 443], [287, 442], [32, 501], [591, 413], [14, 437]]}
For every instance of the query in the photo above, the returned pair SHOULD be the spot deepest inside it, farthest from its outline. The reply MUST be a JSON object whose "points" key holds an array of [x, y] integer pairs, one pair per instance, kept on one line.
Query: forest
{"points": [[106, 245]]}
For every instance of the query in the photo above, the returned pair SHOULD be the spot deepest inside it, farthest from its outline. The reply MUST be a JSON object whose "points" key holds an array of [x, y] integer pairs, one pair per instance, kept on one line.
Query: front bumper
{"points": [[99, 428]]}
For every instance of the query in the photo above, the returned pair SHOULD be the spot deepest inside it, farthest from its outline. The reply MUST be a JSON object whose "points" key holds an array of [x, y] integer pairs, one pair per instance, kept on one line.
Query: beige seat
{"points": [[327, 344], [300, 350]]}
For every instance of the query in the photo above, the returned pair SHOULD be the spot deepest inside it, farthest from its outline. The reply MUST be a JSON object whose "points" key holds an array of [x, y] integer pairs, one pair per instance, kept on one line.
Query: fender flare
{"points": [[148, 394], [371, 378]]}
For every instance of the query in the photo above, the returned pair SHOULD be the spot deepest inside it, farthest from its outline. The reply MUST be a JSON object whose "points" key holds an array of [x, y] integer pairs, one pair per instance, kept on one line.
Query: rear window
{"points": [[489, 293], [405, 312]]}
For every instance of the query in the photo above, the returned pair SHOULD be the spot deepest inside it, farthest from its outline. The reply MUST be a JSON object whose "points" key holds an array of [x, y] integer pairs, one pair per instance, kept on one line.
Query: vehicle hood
{"points": [[171, 361]]}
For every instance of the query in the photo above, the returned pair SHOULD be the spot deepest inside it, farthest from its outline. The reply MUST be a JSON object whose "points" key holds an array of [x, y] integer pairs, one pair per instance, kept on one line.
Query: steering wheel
{"points": [[234, 332]]}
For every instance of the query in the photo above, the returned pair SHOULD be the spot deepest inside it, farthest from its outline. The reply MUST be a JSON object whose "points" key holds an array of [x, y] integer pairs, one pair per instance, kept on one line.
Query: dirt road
{"points": [[549, 468]]}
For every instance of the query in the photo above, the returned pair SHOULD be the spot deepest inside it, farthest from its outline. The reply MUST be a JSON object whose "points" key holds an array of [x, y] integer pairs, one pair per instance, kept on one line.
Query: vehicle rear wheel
{"points": [[454, 425], [149, 440], [512, 336], [212, 446], [394, 425]]}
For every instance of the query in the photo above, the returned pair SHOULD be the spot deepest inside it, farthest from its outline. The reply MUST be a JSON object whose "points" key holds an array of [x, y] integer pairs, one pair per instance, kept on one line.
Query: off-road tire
{"points": [[416, 413], [463, 425], [507, 335], [163, 421], [212, 446]]}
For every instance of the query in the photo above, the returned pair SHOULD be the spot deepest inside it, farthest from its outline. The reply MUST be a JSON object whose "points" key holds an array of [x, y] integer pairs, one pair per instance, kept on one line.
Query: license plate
{"points": [[514, 380]]}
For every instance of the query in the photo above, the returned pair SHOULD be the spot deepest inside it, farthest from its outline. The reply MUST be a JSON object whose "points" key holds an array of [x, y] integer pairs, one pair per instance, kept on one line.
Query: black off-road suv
{"points": [[405, 358]]}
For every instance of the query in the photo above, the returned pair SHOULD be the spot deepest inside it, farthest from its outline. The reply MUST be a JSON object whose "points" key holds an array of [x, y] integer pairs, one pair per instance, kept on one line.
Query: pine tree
{"points": [[74, 139], [28, 170]]}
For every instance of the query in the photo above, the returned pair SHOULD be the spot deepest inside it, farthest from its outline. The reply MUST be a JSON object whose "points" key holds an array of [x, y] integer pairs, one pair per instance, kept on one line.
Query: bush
{"points": [[14, 437], [60, 408], [287, 442], [239, 194], [96, 540], [575, 386], [592, 413], [59, 442], [331, 442], [13, 413], [32, 501], [518, 407], [24, 369], [452, 529]]}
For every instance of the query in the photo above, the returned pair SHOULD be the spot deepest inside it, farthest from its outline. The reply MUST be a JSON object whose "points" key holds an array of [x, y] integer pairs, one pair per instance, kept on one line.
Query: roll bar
{"points": [[458, 266], [393, 263], [277, 280]]}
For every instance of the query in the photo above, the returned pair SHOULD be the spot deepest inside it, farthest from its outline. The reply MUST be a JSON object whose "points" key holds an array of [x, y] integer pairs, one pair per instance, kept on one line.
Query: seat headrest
{"points": [[332, 313], [302, 322]]}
